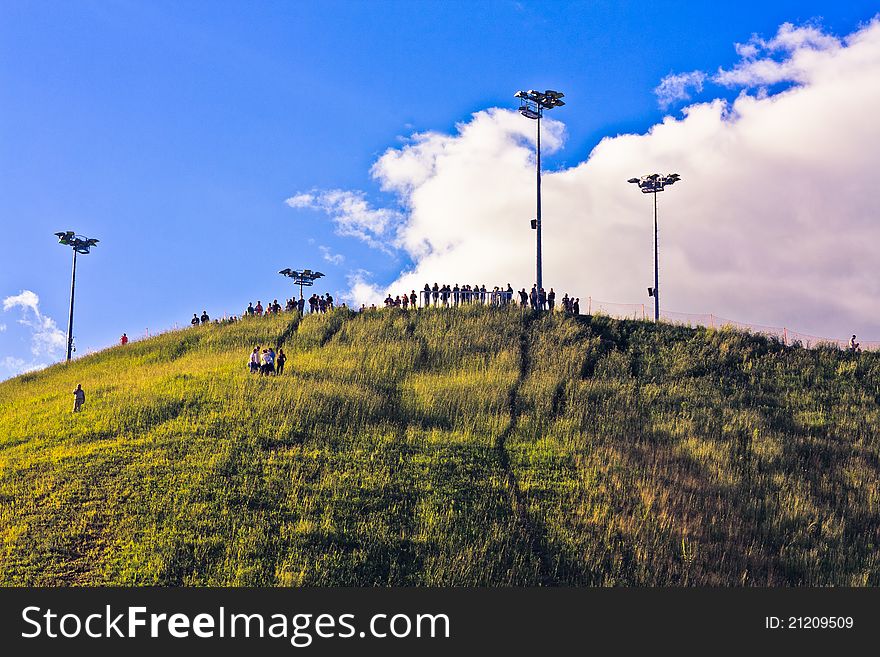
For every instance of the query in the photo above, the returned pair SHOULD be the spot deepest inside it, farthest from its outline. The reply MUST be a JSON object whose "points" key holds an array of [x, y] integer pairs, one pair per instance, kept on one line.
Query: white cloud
{"points": [[773, 222], [677, 86], [352, 214], [2, 328], [47, 340], [361, 291], [27, 300], [790, 56], [13, 366], [329, 256]]}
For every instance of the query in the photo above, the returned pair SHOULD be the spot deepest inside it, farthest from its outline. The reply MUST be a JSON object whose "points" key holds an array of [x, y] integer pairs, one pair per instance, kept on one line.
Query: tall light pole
{"points": [[305, 277], [532, 106], [79, 244], [651, 184]]}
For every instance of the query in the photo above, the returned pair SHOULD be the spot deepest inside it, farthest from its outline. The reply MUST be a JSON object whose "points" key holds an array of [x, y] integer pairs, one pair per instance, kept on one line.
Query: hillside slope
{"points": [[445, 447]]}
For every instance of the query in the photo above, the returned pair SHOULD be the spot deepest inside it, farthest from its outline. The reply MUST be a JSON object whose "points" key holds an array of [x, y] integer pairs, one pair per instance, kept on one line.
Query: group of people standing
{"points": [[538, 299], [196, 320], [267, 362], [445, 296], [318, 303]]}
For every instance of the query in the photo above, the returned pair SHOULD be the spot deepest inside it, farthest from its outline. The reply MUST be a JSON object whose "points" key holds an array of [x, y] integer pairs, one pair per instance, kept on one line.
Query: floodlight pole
{"points": [[79, 244], [533, 104], [70, 317], [656, 264], [538, 275], [651, 184]]}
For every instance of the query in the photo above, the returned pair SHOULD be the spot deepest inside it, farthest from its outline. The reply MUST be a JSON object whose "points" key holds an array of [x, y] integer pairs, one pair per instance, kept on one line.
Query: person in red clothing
{"points": [[123, 340], [259, 308]]}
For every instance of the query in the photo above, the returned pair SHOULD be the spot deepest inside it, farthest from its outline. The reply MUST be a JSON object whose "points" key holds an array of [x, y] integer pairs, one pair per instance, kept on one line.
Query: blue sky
{"points": [[174, 131]]}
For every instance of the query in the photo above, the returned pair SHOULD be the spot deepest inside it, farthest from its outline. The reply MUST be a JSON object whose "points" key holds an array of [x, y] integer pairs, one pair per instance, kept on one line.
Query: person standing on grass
{"points": [[123, 340], [254, 362], [258, 309], [279, 362], [205, 319], [79, 398], [271, 361], [250, 309], [195, 320], [576, 306], [853, 345], [551, 299]]}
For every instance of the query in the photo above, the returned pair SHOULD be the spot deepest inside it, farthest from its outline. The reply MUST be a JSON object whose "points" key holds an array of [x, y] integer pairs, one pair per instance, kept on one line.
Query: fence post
{"points": [[589, 305], [784, 335], [711, 320], [643, 312]]}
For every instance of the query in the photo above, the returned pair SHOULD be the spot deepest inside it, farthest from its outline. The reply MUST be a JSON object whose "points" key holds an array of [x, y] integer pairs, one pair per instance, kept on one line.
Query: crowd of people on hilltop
{"points": [[438, 296], [318, 303], [445, 296]]}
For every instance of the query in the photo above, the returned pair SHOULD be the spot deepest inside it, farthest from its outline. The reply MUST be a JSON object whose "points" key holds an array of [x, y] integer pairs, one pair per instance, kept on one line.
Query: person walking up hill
{"points": [[279, 362], [79, 398]]}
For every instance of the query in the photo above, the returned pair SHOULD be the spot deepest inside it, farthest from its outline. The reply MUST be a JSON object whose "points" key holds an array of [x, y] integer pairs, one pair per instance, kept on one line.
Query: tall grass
{"points": [[445, 447]]}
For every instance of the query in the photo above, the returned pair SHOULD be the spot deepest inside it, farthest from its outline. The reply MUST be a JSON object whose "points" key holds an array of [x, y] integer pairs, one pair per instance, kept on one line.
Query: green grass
{"points": [[457, 447]]}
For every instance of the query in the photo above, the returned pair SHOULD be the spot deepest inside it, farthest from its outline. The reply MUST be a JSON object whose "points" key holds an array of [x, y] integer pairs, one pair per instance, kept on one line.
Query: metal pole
{"points": [[70, 318], [656, 263], [538, 223]]}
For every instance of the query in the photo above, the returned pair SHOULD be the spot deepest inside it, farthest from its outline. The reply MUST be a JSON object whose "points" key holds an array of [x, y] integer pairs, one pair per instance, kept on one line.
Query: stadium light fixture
{"points": [[303, 278], [532, 106], [79, 244], [651, 184]]}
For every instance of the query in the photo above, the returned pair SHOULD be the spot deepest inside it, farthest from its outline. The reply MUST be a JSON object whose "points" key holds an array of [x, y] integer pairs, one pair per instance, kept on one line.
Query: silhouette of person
{"points": [[79, 398], [279, 362]]}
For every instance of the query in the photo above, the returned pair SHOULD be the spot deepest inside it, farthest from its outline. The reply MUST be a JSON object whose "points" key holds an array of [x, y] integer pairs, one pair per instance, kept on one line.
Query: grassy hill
{"points": [[465, 447]]}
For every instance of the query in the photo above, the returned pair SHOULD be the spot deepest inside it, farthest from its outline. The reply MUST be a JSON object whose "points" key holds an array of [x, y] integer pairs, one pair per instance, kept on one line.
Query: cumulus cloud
{"points": [[677, 86], [47, 340], [352, 214], [13, 366], [772, 223], [361, 290], [790, 56]]}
